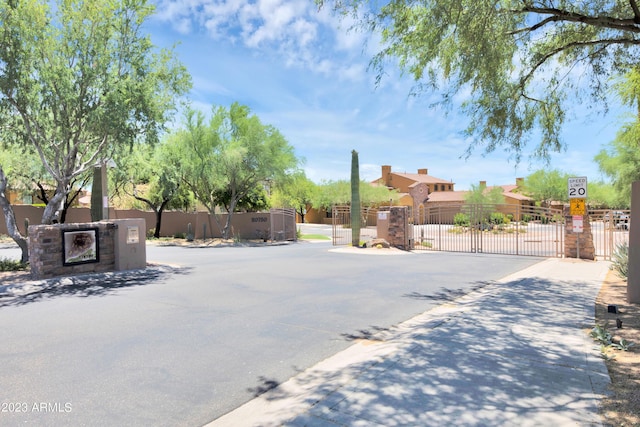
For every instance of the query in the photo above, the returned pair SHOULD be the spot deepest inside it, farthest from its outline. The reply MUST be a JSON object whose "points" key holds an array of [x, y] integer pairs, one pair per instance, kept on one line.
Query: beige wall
{"points": [[244, 225]]}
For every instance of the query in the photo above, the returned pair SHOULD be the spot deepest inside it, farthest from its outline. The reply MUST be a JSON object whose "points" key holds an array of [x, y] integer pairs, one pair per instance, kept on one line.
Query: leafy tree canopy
{"points": [[79, 77], [295, 191], [482, 195], [620, 161], [225, 161], [517, 64], [547, 186], [331, 193]]}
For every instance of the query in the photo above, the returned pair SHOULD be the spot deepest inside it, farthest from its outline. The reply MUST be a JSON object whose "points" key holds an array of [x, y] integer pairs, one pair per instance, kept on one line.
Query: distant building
{"points": [[423, 192]]}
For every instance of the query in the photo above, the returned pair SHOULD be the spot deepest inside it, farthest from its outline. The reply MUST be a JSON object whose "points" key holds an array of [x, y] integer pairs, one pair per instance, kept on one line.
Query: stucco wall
{"points": [[244, 225]]}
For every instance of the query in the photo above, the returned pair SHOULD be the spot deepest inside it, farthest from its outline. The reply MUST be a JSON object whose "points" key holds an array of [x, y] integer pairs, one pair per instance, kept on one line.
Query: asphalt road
{"points": [[184, 347]]}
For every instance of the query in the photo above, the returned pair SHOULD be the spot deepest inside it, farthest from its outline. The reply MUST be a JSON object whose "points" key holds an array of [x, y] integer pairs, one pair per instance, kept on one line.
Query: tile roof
{"points": [[427, 179]]}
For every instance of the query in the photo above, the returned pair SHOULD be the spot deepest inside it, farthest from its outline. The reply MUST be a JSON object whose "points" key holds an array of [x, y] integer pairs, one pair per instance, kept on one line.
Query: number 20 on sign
{"points": [[577, 187]]}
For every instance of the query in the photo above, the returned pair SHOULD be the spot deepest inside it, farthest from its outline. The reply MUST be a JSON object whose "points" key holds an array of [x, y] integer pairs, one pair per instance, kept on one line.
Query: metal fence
{"points": [[488, 228], [497, 229], [610, 229], [341, 224], [283, 224]]}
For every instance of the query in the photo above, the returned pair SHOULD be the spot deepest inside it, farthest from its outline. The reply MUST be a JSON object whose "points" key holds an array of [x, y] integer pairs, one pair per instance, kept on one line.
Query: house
{"points": [[424, 193]]}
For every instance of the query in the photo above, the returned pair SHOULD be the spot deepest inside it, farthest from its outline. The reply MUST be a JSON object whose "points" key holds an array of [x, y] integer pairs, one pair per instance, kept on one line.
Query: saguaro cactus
{"points": [[355, 199]]}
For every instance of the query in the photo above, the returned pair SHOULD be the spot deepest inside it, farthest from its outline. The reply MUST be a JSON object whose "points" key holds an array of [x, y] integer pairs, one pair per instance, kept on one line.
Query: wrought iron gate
{"points": [[497, 229], [487, 228]]}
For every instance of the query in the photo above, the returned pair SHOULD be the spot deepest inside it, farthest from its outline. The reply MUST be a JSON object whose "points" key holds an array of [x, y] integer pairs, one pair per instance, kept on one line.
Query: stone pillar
{"points": [[571, 239], [633, 280], [399, 233]]}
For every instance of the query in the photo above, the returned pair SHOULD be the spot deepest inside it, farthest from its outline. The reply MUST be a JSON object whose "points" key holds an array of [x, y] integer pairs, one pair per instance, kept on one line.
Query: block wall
{"points": [[46, 250]]}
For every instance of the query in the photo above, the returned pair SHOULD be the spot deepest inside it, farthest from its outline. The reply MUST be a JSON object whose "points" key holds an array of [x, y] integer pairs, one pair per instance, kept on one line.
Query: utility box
{"points": [[130, 244]]}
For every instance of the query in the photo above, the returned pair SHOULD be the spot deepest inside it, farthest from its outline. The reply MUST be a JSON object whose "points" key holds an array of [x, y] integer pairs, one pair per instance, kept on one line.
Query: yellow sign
{"points": [[577, 207]]}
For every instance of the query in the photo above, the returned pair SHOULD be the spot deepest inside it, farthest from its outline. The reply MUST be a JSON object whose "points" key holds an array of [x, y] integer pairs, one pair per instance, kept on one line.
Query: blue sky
{"points": [[301, 71]]}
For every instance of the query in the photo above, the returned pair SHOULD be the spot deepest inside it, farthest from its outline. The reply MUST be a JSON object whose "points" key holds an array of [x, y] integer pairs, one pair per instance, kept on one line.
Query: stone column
{"points": [[399, 233], [571, 239]]}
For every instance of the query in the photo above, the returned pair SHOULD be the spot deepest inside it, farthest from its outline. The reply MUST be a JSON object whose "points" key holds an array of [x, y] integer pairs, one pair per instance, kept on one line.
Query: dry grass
{"points": [[622, 407]]}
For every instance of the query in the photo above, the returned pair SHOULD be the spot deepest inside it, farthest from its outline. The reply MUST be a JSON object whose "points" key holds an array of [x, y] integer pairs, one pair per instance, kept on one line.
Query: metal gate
{"points": [[496, 229], [488, 228], [610, 229], [341, 224], [283, 224]]}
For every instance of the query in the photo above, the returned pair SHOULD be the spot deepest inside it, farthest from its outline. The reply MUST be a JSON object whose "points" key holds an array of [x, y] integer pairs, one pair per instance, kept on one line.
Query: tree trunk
{"points": [[355, 200], [159, 218], [10, 219], [51, 210]]}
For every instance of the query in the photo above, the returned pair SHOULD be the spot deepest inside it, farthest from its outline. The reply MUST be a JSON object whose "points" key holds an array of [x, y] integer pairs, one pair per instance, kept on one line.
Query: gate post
{"points": [[399, 227], [572, 238], [633, 279]]}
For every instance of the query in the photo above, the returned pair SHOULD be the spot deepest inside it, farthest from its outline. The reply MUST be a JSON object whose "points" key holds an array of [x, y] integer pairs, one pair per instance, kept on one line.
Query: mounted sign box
{"points": [[80, 246]]}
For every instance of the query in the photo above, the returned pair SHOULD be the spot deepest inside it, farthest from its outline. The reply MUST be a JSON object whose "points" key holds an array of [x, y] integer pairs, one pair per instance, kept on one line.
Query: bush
{"points": [[7, 264], [620, 260], [461, 219], [497, 218]]}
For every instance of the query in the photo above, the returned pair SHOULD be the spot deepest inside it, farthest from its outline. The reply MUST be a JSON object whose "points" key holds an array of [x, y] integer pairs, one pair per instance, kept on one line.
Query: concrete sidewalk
{"points": [[516, 352]]}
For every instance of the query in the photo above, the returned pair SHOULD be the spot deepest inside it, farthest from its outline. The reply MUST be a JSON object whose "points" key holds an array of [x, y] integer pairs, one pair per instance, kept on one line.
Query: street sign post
{"points": [[577, 189]]}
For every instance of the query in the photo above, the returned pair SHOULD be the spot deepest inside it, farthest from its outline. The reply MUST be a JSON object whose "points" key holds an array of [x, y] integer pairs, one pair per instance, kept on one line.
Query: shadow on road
{"points": [[84, 285], [446, 295], [514, 353]]}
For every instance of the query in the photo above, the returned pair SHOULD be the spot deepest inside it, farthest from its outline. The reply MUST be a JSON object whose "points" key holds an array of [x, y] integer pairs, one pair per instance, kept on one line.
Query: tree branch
{"points": [[636, 11], [572, 45], [629, 24]]}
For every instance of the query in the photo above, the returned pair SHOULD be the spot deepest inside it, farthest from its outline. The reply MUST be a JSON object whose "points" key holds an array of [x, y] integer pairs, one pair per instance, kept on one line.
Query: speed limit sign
{"points": [[577, 187]]}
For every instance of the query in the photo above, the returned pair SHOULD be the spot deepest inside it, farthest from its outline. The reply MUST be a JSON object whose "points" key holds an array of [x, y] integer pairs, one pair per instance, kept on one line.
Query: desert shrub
{"points": [[497, 218], [461, 219], [620, 260], [7, 264]]}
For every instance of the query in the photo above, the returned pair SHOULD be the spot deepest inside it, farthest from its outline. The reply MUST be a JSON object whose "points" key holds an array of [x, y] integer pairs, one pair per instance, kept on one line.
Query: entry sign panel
{"points": [[577, 187], [578, 225], [577, 207]]}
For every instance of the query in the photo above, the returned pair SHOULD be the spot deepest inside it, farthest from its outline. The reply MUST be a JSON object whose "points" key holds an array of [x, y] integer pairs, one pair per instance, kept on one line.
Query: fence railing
{"points": [[492, 228]]}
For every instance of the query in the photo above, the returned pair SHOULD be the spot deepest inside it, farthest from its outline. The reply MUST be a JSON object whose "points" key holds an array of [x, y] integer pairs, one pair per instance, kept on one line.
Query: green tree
{"points": [[620, 161], [228, 159], [150, 174], [294, 191], [603, 195], [481, 201], [78, 78], [518, 63], [330, 193], [10, 218], [483, 195], [546, 186]]}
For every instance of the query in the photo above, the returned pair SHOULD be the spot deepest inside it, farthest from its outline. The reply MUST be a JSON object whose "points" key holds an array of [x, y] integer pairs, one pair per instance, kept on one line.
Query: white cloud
{"points": [[291, 29]]}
